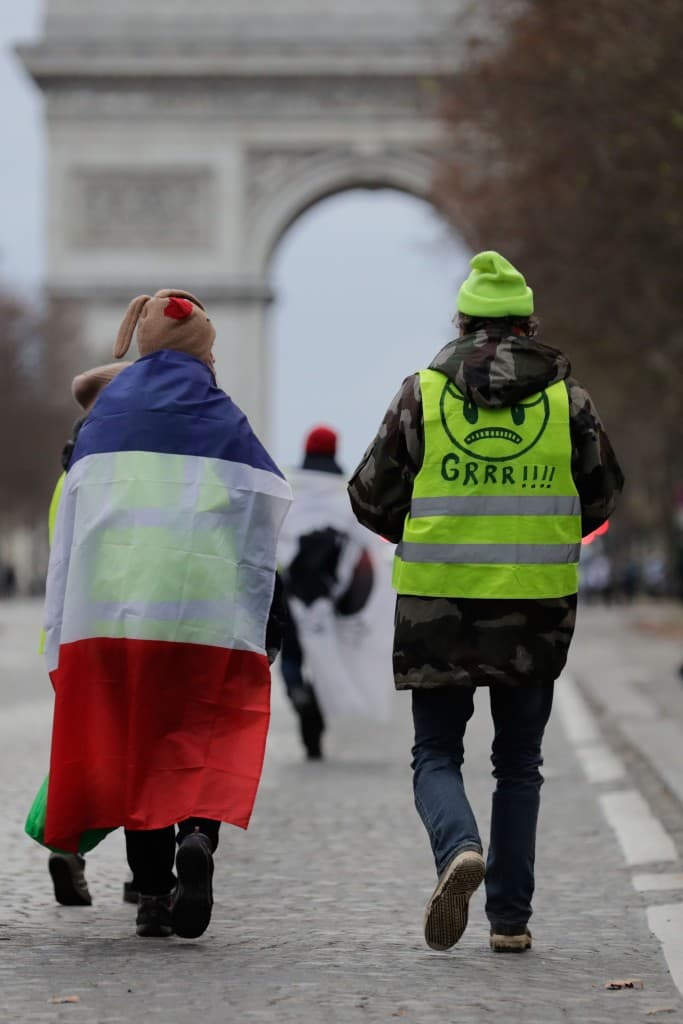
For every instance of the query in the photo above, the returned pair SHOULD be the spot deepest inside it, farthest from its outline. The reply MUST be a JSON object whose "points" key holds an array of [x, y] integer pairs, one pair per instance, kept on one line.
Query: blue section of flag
{"points": [[168, 402]]}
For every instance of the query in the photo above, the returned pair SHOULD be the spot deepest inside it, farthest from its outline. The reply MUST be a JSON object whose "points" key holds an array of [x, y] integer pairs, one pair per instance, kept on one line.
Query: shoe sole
{"points": [[447, 911], [154, 931], [193, 902], [65, 891], [510, 943]]}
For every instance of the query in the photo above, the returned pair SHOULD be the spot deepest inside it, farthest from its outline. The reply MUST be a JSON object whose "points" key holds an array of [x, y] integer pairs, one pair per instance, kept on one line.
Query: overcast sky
{"points": [[22, 159], [365, 282]]}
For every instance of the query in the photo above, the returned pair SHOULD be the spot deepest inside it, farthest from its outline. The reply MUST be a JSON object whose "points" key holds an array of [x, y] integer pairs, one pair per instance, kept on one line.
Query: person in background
{"points": [[487, 470], [327, 574], [67, 870]]}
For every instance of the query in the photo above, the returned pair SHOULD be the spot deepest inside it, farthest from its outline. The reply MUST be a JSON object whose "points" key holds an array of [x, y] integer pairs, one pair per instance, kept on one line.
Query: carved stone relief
{"points": [[269, 171], [135, 208], [232, 100]]}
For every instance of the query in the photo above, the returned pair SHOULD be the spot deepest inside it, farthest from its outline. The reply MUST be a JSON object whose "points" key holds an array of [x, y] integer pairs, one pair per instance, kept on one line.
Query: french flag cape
{"points": [[160, 582]]}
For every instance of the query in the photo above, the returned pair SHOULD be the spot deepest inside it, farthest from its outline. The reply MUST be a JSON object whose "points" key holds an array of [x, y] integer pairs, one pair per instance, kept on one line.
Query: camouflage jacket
{"points": [[457, 641]]}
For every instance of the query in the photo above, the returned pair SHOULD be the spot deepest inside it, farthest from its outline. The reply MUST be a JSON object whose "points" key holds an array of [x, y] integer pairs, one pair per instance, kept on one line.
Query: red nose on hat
{"points": [[178, 309], [321, 441]]}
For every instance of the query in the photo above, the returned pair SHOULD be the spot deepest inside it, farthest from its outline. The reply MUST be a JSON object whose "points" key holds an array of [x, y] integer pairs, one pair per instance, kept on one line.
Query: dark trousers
{"points": [[151, 854], [520, 716], [301, 694]]}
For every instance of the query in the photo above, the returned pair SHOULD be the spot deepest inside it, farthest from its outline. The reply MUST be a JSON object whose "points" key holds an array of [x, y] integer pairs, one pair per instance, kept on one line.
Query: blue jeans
{"points": [[520, 716]]}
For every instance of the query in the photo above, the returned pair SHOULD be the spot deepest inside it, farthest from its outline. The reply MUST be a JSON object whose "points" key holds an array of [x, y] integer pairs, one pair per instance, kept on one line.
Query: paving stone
{"points": [[319, 906]]}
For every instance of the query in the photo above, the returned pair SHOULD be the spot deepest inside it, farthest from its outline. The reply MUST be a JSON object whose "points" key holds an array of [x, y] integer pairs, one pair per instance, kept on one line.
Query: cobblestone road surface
{"points": [[319, 906]]}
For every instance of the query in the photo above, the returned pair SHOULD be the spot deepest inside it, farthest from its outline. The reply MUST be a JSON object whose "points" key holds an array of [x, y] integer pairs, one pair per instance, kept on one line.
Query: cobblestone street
{"points": [[318, 914]]}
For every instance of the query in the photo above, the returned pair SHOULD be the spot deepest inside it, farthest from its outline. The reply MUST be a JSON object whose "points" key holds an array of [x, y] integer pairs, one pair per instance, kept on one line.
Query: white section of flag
{"points": [[216, 521]]}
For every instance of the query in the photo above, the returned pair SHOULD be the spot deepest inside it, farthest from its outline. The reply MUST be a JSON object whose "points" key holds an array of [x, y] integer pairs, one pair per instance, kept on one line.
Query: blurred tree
{"points": [[40, 353], [564, 151]]}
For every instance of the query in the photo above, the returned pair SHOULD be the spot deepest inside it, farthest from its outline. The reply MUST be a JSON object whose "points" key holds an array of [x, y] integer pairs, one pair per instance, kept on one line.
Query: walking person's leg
{"points": [[150, 857], [300, 692], [193, 898], [520, 716], [207, 826], [440, 717]]}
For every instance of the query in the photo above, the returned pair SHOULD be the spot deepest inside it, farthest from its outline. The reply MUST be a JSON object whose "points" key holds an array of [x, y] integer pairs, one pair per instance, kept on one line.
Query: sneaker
{"points": [[67, 871], [447, 910], [193, 899], [154, 917], [510, 938], [130, 894]]}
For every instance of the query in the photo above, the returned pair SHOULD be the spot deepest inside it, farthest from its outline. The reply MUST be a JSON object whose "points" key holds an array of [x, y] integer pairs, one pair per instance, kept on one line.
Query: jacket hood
{"points": [[496, 371], [321, 463]]}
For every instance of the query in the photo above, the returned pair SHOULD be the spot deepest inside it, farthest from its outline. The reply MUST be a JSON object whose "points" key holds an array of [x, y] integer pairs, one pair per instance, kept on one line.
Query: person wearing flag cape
{"points": [[159, 632]]}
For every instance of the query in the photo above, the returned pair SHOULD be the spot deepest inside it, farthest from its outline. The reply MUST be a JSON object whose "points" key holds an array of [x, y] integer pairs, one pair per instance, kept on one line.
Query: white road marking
{"points": [[657, 883], [667, 924], [640, 834], [642, 837], [578, 719], [600, 764]]}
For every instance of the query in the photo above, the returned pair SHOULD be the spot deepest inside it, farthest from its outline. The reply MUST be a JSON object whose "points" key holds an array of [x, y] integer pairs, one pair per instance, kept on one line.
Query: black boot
{"points": [[312, 725], [67, 871], [154, 917], [193, 899]]}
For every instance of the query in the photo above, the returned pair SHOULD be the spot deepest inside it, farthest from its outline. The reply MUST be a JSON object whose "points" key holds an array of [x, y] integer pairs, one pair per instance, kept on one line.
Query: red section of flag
{"points": [[148, 733]]}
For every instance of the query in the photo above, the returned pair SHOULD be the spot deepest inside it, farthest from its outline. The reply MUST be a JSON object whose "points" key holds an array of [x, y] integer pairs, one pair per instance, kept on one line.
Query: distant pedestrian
{"points": [[329, 579], [8, 580], [159, 594], [67, 870], [488, 468]]}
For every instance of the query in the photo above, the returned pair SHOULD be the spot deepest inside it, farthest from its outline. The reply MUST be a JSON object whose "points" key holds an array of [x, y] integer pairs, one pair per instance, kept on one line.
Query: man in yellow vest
{"points": [[487, 470]]}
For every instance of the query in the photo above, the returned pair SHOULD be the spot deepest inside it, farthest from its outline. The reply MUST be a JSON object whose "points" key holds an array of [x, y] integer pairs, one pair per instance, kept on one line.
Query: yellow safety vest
{"points": [[495, 512], [51, 523], [54, 507]]}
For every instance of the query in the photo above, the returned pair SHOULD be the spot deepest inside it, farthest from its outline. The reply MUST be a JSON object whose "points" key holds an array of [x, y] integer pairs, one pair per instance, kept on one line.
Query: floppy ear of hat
{"points": [[494, 289], [173, 319], [321, 441], [87, 386]]}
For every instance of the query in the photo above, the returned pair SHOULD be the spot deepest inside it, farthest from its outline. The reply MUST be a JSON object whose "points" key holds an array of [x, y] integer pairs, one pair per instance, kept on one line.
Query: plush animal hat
{"points": [[87, 386], [170, 319]]}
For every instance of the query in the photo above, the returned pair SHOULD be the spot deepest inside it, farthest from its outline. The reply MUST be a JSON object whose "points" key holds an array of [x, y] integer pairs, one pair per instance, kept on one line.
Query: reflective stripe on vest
{"points": [[495, 511], [506, 505]]}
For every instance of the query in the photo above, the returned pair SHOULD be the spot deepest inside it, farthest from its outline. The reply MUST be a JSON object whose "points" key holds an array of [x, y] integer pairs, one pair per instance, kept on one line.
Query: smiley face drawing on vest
{"points": [[528, 420]]}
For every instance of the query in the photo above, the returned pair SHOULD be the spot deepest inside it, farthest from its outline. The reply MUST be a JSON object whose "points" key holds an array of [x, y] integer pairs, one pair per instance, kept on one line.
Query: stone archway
{"points": [[286, 185], [178, 157]]}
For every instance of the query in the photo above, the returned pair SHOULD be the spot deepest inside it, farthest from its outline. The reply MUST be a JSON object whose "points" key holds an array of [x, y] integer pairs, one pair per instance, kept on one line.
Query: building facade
{"points": [[183, 139]]}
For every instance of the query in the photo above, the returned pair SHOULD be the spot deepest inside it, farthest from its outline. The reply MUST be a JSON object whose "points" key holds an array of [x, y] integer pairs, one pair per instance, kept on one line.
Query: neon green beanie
{"points": [[494, 288]]}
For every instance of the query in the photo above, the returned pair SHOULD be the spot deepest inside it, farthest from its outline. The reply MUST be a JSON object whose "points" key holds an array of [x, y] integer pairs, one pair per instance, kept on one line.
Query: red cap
{"points": [[321, 441]]}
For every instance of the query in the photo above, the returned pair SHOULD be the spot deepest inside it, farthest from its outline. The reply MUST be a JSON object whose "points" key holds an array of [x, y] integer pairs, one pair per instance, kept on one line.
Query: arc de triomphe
{"points": [[183, 139]]}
